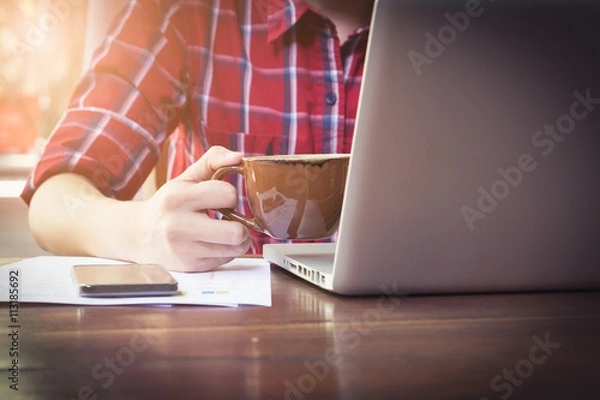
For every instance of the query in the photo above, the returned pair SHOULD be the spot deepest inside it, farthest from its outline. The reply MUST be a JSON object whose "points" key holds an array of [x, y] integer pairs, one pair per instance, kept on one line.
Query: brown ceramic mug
{"points": [[292, 196]]}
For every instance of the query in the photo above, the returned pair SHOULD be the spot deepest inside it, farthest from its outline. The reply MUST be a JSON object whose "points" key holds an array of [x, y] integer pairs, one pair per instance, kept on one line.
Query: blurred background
{"points": [[45, 47]]}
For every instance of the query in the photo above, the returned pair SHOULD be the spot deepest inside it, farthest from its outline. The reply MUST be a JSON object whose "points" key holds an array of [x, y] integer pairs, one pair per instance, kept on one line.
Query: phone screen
{"points": [[122, 280]]}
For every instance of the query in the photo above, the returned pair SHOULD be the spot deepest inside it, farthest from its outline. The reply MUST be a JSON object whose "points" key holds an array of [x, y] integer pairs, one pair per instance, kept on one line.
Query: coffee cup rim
{"points": [[317, 158]]}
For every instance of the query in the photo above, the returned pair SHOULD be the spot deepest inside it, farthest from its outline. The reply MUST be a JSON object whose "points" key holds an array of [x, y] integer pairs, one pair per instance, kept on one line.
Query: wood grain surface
{"points": [[312, 345]]}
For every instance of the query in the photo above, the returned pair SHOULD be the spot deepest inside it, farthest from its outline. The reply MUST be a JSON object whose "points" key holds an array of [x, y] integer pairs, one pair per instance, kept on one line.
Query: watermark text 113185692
{"points": [[13, 328]]}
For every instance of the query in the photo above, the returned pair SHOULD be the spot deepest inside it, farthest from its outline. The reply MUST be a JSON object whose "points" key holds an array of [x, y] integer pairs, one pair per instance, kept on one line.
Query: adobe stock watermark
{"points": [[105, 371], [544, 141], [348, 337], [515, 377], [436, 45], [43, 26], [14, 327]]}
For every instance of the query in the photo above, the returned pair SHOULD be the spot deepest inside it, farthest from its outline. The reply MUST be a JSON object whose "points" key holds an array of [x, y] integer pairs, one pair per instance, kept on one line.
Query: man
{"points": [[227, 77]]}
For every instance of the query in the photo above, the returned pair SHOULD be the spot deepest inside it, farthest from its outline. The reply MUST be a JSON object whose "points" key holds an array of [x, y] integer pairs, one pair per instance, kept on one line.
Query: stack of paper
{"points": [[48, 279]]}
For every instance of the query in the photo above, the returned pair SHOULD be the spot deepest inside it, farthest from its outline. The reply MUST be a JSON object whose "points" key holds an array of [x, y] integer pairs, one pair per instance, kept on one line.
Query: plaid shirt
{"points": [[260, 77]]}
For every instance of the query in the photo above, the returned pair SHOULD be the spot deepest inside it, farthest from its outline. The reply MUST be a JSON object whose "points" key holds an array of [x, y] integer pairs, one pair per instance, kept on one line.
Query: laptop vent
{"points": [[311, 274]]}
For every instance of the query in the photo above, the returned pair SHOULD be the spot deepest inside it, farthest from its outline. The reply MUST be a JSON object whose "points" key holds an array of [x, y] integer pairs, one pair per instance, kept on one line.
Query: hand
{"points": [[179, 233]]}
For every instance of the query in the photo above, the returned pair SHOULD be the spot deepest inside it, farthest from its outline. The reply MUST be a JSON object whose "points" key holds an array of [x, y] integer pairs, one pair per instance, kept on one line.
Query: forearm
{"points": [[69, 216]]}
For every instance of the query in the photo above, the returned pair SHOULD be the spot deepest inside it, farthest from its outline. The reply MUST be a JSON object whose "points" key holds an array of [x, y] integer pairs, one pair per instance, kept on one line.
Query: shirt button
{"points": [[331, 99]]}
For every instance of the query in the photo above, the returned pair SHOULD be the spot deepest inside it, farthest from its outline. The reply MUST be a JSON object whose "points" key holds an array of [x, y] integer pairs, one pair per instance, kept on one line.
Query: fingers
{"points": [[215, 158], [208, 195], [199, 227], [201, 256], [192, 241]]}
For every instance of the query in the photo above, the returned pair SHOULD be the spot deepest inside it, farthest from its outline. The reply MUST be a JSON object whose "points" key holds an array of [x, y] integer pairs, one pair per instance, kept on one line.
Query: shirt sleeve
{"points": [[131, 98]]}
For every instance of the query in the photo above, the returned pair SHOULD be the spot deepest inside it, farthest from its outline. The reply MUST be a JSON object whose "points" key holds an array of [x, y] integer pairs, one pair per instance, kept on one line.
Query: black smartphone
{"points": [[124, 280]]}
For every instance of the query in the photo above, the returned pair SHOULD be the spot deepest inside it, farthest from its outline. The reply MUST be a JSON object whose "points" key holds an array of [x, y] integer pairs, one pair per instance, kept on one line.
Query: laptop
{"points": [[475, 164]]}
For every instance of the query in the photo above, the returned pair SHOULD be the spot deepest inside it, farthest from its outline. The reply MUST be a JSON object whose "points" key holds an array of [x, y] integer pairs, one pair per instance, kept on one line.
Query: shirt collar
{"points": [[282, 15]]}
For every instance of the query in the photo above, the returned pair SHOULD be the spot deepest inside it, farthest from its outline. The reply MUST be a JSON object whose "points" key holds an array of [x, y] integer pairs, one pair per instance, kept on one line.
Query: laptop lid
{"points": [[475, 164]]}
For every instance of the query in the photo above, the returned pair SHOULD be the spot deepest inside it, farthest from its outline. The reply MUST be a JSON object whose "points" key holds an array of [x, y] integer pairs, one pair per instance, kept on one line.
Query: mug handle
{"points": [[228, 212]]}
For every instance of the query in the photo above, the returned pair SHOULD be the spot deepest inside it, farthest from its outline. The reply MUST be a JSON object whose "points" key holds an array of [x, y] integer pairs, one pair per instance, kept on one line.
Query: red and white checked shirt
{"points": [[260, 77]]}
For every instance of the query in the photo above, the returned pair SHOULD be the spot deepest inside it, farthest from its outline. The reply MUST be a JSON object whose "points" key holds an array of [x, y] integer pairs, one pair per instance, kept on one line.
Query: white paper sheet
{"points": [[48, 279]]}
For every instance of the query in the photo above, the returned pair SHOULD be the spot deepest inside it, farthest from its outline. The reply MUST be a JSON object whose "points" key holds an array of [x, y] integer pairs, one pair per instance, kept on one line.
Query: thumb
{"points": [[216, 157]]}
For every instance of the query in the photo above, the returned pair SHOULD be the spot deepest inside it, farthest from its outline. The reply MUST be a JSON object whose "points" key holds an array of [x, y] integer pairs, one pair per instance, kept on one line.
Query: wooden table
{"points": [[313, 345]]}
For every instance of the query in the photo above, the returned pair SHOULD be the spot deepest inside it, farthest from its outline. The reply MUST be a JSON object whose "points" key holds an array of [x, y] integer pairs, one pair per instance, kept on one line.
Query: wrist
{"points": [[114, 231]]}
